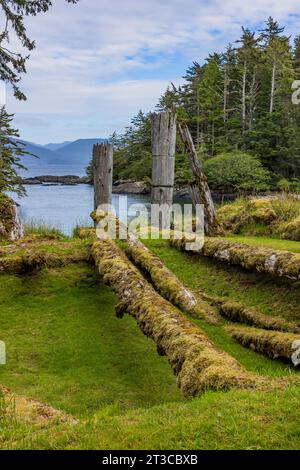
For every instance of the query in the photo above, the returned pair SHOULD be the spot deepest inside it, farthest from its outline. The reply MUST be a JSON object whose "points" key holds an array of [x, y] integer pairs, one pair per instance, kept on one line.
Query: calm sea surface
{"points": [[64, 207]]}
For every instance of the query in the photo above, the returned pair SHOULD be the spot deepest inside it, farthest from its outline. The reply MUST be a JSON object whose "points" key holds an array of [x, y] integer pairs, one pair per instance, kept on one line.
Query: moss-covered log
{"points": [[272, 344], [260, 259], [236, 312], [169, 285], [198, 364], [33, 260]]}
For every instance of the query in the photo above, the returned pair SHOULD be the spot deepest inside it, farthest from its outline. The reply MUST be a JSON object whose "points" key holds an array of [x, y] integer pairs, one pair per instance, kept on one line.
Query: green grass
{"points": [[66, 348], [39, 227], [274, 243], [268, 294], [217, 279]]}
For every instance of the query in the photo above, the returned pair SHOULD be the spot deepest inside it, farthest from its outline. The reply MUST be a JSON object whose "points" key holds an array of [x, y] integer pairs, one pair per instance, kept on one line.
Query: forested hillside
{"points": [[238, 105]]}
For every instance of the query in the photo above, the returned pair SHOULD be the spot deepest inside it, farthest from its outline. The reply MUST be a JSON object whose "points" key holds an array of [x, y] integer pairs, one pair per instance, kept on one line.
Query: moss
{"points": [[84, 232], [278, 216], [260, 259], [273, 344], [198, 364], [31, 411], [7, 215], [291, 230], [34, 259], [238, 313], [169, 285]]}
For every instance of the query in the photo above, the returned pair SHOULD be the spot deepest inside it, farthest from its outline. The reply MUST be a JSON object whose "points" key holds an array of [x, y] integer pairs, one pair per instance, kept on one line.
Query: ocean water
{"points": [[64, 207], [38, 169]]}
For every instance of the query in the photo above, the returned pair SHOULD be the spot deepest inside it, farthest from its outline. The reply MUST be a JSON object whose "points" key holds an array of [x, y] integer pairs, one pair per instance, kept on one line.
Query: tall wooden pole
{"points": [[103, 174], [163, 152]]}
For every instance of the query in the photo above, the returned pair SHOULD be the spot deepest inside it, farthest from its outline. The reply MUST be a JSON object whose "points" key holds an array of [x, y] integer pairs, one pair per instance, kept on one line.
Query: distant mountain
{"points": [[76, 153], [56, 147], [45, 156]]}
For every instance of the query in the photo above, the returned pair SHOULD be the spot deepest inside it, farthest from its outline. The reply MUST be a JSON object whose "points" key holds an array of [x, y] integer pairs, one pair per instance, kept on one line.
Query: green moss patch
{"points": [[169, 285], [238, 313], [273, 344], [260, 259], [277, 216]]}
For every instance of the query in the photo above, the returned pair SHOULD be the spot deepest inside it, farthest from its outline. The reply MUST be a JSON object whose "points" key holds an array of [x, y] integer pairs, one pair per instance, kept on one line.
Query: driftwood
{"points": [[199, 188], [103, 174], [163, 157], [198, 364]]}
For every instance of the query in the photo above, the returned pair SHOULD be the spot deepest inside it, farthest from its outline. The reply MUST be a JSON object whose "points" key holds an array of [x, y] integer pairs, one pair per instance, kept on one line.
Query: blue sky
{"points": [[98, 62]]}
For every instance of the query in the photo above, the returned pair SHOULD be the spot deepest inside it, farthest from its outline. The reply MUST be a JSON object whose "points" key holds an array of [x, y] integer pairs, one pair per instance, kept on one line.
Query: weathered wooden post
{"points": [[103, 174], [199, 188], [163, 152]]}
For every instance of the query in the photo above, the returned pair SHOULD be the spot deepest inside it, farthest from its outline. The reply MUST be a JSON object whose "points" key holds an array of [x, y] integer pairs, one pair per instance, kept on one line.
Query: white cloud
{"points": [[88, 56]]}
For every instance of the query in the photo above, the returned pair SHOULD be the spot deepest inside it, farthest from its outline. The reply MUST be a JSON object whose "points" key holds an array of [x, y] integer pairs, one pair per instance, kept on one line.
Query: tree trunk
{"points": [[199, 188], [244, 97], [225, 96], [272, 88]]}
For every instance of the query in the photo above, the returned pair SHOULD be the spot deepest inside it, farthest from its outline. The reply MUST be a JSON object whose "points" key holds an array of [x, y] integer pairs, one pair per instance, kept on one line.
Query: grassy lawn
{"points": [[66, 348], [274, 243]]}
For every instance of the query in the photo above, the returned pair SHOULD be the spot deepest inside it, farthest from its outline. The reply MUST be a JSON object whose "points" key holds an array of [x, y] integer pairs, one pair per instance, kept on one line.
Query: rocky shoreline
{"points": [[119, 187], [57, 180]]}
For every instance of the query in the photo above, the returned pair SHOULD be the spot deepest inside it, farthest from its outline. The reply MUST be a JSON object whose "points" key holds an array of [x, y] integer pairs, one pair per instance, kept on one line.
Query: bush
{"points": [[236, 171]]}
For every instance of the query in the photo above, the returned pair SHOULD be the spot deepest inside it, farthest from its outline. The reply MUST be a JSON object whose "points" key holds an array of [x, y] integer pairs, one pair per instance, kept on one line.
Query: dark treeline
{"points": [[239, 108]]}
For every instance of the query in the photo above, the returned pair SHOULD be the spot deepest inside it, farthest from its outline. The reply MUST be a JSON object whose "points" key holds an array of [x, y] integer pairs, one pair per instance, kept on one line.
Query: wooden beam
{"points": [[199, 188], [103, 174], [163, 152]]}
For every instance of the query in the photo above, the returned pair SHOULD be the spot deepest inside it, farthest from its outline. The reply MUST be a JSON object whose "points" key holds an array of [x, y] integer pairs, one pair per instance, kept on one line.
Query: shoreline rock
{"points": [[131, 187], [56, 180]]}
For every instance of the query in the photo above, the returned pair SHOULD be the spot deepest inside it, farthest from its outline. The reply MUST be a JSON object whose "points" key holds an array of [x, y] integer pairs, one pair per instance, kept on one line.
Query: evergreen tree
{"points": [[11, 152], [13, 64]]}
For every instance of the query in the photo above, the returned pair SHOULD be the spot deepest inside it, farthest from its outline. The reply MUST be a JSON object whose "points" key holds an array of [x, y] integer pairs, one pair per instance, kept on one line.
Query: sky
{"points": [[99, 62]]}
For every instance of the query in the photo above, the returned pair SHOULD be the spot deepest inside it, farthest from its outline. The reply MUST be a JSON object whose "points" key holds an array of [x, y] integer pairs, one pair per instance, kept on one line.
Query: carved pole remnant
{"points": [[103, 174]]}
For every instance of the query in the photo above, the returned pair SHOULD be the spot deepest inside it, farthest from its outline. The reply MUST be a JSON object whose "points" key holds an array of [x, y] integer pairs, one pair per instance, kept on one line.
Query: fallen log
{"points": [[31, 261], [168, 285], [198, 364], [236, 312], [263, 260], [270, 343]]}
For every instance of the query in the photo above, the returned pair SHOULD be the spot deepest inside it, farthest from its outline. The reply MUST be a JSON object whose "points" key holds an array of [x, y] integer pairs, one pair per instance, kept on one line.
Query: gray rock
{"points": [[138, 187]]}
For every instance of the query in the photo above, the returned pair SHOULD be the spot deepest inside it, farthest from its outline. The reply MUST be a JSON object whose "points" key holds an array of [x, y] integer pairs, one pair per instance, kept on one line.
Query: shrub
{"points": [[278, 216], [236, 171]]}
